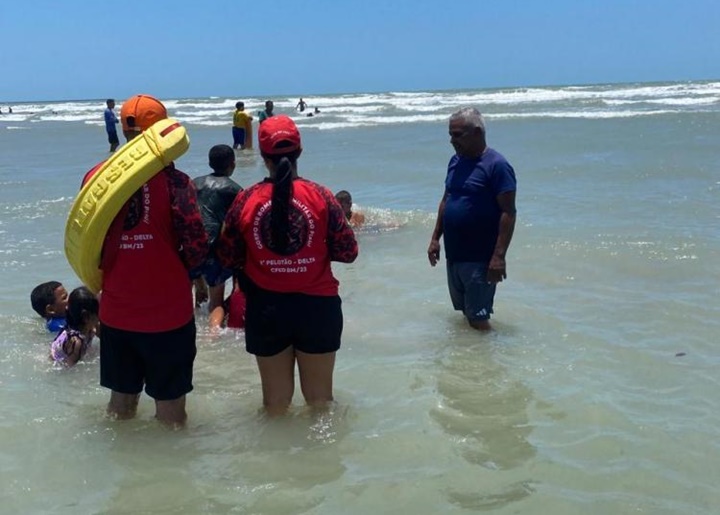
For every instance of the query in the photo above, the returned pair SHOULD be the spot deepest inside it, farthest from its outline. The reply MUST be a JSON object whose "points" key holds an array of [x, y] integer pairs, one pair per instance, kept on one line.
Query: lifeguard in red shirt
{"points": [[147, 310], [282, 233]]}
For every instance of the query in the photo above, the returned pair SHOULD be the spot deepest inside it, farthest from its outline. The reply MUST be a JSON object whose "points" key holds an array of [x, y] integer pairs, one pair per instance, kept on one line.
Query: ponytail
{"points": [[280, 211], [281, 198]]}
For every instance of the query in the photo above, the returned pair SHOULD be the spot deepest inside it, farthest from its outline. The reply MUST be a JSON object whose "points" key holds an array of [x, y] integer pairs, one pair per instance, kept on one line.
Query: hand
{"points": [[201, 291], [496, 270], [434, 252]]}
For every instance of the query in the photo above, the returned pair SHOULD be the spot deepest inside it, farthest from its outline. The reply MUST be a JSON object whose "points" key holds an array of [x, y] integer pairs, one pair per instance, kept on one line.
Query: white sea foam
{"points": [[398, 107], [341, 125], [581, 114], [686, 101], [383, 120], [352, 109], [12, 118], [65, 118], [225, 104], [208, 123], [680, 101], [202, 112]]}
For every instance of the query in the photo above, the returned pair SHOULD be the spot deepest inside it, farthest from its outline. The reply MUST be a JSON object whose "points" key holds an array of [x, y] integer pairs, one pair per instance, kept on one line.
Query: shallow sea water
{"points": [[597, 393]]}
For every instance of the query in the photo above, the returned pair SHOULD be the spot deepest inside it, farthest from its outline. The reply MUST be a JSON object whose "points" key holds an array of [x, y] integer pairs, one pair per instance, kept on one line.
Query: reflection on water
{"points": [[151, 471], [279, 462], [478, 501], [484, 410], [250, 461]]}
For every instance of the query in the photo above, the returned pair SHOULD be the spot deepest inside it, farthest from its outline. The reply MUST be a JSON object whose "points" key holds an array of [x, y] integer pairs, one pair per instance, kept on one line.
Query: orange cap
{"points": [[144, 109]]}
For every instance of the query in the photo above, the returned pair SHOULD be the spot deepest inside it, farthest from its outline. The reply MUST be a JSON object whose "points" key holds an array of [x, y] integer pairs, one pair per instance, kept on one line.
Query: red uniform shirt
{"points": [[319, 233], [157, 237]]}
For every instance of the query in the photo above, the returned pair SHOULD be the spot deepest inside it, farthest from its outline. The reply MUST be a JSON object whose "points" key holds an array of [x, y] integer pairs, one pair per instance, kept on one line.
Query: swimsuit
{"points": [[57, 348]]}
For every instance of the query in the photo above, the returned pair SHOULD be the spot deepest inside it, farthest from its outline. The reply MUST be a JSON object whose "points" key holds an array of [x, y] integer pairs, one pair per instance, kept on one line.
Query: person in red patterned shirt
{"points": [[147, 310], [281, 235]]}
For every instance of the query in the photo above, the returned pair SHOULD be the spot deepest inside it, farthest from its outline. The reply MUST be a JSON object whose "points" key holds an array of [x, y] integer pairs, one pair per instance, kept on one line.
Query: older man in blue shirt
{"points": [[476, 218]]}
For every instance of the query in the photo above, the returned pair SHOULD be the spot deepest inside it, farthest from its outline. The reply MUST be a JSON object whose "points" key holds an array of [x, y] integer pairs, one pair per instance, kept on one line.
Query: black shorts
{"points": [[162, 362], [113, 138], [275, 321]]}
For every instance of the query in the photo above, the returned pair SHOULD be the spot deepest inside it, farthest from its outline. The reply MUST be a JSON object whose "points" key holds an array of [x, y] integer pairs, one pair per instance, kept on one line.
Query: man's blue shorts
{"points": [[212, 271], [238, 135], [469, 290]]}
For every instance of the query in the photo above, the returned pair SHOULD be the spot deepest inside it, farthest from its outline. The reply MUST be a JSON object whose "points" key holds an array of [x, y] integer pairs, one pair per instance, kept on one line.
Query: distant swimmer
{"points": [[110, 121], [301, 105], [354, 218], [317, 110], [267, 113], [10, 110]]}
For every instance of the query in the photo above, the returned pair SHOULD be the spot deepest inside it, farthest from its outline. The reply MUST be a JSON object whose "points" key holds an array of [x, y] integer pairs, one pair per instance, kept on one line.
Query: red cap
{"points": [[145, 109], [279, 135]]}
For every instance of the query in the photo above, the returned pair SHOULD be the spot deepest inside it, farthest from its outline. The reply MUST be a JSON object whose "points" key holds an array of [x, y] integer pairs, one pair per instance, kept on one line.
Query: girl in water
{"points": [[74, 340]]}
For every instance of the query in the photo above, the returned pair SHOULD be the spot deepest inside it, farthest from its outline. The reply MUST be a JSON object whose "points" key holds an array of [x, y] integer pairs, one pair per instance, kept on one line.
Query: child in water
{"points": [[50, 300], [215, 194], [231, 313], [73, 342], [354, 218]]}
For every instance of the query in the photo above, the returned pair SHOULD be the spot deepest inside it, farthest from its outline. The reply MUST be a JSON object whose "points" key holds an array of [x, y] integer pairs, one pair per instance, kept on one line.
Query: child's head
{"points": [[239, 106], [49, 299], [82, 308], [110, 102], [222, 159], [345, 200]]}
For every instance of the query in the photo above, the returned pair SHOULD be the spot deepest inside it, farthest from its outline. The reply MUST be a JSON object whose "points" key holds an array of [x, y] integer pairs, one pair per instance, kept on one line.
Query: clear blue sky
{"points": [[82, 49]]}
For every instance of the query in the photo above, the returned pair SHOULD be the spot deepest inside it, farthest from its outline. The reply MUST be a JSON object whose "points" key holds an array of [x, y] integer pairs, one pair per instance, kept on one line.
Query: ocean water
{"points": [[598, 392]]}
